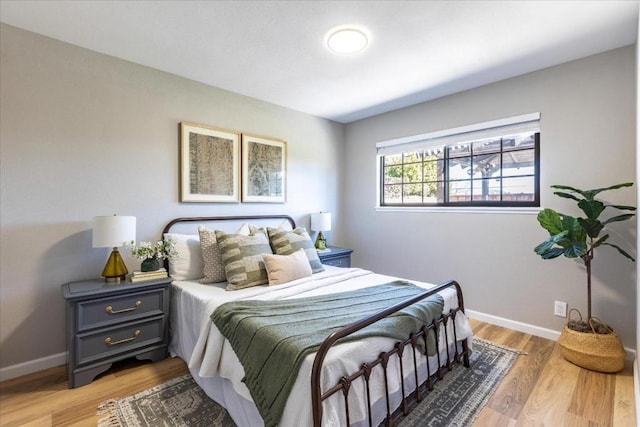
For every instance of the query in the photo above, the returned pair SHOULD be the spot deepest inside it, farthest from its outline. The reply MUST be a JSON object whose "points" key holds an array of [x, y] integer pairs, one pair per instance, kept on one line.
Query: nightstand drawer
{"points": [[110, 342], [339, 262], [109, 311]]}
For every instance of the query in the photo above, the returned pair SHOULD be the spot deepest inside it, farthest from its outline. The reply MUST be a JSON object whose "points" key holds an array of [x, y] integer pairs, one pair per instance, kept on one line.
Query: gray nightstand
{"points": [[108, 322], [338, 257]]}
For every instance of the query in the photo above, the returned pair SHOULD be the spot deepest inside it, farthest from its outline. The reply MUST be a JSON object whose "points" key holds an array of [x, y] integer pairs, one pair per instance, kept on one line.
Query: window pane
{"points": [[393, 159], [518, 189], [433, 170], [519, 142], [412, 156], [459, 168], [433, 192], [413, 172], [487, 146], [412, 193], [516, 163], [486, 189], [486, 166], [393, 174], [460, 150], [393, 194], [460, 191]]}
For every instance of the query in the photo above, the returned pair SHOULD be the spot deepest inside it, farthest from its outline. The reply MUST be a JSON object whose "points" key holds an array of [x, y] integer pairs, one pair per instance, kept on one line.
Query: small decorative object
{"points": [[321, 222], [150, 254], [264, 163], [209, 164], [111, 232], [591, 343]]}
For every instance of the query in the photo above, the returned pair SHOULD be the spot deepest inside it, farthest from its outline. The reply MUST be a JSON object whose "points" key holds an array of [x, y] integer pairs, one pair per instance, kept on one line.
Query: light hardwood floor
{"points": [[542, 389]]}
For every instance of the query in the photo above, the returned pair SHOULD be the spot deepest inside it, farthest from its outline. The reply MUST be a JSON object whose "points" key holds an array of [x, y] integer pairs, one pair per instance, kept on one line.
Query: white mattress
{"points": [[218, 371]]}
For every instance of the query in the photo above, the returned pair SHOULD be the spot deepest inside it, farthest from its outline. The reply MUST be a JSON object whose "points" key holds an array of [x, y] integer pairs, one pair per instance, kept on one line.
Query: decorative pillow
{"points": [[287, 242], [188, 264], [242, 258], [285, 268], [213, 268]]}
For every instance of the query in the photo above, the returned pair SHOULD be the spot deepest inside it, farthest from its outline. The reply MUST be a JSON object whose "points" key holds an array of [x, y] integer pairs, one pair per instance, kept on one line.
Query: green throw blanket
{"points": [[272, 338]]}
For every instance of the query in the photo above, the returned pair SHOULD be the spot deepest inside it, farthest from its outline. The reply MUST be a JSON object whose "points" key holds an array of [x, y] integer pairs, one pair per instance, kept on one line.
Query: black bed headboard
{"points": [[171, 223]]}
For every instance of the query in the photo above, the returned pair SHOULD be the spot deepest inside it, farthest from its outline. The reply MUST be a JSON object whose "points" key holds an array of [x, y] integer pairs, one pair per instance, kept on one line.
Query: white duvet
{"points": [[217, 370]]}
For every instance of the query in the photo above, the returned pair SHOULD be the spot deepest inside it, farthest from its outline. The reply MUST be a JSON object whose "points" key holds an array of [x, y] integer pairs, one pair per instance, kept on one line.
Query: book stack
{"points": [[141, 276]]}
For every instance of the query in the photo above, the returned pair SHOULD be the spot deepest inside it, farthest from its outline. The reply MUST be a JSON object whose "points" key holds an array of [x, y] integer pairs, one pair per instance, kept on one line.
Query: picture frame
{"points": [[209, 164], [264, 168]]}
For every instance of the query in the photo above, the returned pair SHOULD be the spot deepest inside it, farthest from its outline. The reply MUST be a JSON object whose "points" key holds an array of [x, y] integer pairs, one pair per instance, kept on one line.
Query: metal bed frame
{"points": [[437, 327]]}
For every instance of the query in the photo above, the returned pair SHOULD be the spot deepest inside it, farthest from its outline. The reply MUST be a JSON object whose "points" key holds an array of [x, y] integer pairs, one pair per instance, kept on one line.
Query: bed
{"points": [[372, 380]]}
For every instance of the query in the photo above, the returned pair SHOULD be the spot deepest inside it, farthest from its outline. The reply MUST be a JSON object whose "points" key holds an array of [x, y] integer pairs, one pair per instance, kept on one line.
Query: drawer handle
{"points": [[110, 309], [135, 335]]}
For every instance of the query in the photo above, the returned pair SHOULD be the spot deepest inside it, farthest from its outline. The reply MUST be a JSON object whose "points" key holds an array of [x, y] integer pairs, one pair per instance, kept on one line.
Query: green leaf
{"points": [[622, 208], [566, 195], [576, 250], [591, 208], [553, 253], [619, 218], [550, 221], [600, 241], [545, 246], [622, 251], [592, 227], [574, 228], [613, 187]]}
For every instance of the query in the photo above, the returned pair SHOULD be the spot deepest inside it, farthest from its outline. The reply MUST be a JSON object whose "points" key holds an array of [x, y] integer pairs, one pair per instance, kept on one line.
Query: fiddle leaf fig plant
{"points": [[578, 237]]}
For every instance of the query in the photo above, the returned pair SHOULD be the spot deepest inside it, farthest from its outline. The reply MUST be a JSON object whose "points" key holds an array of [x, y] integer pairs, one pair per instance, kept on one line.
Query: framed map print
{"points": [[264, 162], [209, 164]]}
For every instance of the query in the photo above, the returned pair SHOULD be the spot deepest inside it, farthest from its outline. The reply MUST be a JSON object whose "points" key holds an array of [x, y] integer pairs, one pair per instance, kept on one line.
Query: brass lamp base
{"points": [[321, 242], [114, 270]]}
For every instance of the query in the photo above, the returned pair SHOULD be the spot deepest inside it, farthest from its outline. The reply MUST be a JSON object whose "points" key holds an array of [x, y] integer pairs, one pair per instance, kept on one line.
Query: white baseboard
{"points": [[636, 387], [32, 366], [529, 329]]}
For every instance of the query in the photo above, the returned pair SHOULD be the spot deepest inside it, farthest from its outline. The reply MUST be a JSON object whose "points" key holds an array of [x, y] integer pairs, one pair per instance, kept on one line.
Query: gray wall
{"points": [[587, 140], [84, 134]]}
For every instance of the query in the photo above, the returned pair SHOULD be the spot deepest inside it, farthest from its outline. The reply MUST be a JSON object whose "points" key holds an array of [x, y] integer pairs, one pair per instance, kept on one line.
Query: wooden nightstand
{"points": [[338, 257], [108, 322]]}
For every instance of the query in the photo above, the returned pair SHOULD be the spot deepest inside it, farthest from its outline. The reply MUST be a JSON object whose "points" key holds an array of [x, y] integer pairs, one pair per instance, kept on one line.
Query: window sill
{"points": [[462, 209]]}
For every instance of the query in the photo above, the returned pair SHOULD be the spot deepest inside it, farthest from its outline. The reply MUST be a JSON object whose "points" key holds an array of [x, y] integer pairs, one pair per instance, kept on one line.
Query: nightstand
{"points": [[338, 257], [108, 322]]}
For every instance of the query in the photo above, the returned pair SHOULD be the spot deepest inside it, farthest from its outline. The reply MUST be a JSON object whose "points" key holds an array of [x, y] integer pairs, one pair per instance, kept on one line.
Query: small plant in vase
{"points": [[578, 237], [150, 254]]}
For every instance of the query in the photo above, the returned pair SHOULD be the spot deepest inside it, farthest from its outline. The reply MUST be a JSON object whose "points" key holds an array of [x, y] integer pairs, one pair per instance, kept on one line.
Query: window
{"points": [[488, 165]]}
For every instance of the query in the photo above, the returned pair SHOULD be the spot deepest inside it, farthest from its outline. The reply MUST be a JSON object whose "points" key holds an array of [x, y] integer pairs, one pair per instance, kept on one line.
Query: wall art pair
{"points": [[222, 166]]}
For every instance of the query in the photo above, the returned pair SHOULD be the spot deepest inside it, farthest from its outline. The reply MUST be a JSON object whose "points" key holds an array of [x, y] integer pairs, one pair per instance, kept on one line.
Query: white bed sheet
{"points": [[218, 371]]}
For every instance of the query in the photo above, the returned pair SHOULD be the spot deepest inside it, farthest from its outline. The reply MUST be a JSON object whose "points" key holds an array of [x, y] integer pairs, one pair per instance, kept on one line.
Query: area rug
{"points": [[454, 401]]}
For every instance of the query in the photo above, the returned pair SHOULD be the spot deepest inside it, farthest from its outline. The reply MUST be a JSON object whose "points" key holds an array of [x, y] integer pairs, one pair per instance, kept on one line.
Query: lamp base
{"points": [[114, 270], [321, 242]]}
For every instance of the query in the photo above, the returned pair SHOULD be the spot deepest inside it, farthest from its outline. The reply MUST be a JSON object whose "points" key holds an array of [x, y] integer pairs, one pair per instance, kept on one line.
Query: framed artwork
{"points": [[209, 164], [264, 162]]}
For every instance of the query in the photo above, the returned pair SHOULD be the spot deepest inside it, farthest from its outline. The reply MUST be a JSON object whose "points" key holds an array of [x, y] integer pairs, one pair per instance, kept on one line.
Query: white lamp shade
{"points": [[321, 221], [113, 231]]}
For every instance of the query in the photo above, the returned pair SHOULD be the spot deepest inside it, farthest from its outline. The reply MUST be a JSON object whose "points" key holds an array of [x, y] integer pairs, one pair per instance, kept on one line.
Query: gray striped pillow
{"points": [[287, 242], [242, 258]]}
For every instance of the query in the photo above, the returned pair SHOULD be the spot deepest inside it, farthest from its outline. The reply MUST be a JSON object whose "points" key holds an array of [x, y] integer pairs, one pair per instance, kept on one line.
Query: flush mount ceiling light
{"points": [[346, 39]]}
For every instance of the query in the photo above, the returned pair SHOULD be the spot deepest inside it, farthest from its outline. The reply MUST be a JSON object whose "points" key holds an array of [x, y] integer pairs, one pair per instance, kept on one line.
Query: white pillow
{"points": [[188, 264], [285, 268]]}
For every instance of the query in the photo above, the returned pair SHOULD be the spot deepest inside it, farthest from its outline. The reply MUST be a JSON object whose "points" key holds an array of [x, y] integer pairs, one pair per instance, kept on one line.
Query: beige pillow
{"points": [[285, 268], [213, 267], [188, 264]]}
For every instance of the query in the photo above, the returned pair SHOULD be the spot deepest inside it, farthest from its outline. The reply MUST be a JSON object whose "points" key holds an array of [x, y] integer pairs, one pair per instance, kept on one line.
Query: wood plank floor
{"points": [[542, 389]]}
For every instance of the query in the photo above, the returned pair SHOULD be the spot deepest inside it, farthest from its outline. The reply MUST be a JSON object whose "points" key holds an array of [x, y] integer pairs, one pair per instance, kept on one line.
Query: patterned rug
{"points": [[454, 401]]}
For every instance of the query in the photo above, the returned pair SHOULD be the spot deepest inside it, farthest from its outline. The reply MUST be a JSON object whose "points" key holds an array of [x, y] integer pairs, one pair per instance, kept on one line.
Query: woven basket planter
{"points": [[597, 352]]}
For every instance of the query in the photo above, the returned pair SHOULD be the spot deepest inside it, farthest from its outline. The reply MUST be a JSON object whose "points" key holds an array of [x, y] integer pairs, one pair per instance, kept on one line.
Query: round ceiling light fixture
{"points": [[346, 39]]}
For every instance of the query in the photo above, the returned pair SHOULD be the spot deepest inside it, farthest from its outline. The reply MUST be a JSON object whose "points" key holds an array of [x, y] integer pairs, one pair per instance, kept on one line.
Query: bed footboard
{"points": [[437, 327]]}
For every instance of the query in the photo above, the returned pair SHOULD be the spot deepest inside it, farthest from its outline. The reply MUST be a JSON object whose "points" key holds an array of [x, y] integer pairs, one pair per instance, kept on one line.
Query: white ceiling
{"points": [[273, 50]]}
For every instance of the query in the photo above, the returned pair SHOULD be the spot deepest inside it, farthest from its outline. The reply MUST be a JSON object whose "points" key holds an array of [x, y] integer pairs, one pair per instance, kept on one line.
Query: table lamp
{"points": [[321, 222], [111, 232]]}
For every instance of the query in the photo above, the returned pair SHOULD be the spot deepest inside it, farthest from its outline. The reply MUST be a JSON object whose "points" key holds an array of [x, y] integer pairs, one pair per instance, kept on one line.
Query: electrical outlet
{"points": [[560, 308]]}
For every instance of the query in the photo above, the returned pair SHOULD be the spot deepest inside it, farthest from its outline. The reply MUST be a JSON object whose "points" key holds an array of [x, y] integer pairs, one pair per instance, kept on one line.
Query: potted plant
{"points": [[582, 341], [150, 254]]}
